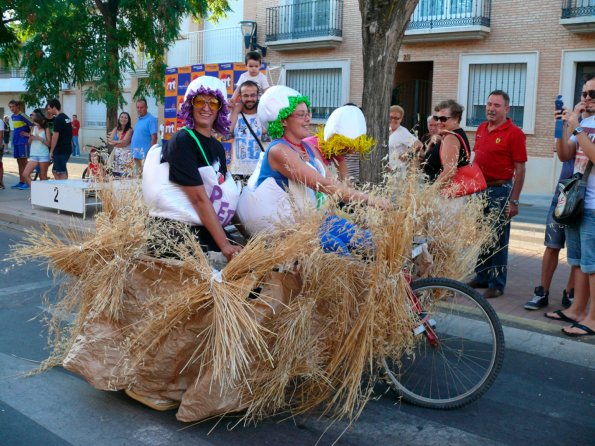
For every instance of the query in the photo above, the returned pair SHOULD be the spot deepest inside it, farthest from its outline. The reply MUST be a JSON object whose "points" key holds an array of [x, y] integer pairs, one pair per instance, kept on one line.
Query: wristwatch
{"points": [[515, 202], [577, 131]]}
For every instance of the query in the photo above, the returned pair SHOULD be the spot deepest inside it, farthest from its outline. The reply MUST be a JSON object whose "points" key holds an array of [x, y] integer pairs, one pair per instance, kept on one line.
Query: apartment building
{"points": [[460, 49]]}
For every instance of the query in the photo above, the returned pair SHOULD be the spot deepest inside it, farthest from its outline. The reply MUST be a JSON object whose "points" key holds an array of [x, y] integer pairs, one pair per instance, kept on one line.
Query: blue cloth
{"points": [[555, 235], [141, 138], [580, 242], [341, 236], [491, 268], [266, 171]]}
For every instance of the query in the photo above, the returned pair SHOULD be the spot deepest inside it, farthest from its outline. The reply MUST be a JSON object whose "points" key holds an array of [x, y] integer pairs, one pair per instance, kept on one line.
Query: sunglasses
{"points": [[590, 93], [199, 102], [441, 118]]}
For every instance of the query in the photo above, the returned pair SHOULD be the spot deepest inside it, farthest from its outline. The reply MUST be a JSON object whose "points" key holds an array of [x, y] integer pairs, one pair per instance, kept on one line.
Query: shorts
{"points": [[60, 160], [555, 235], [40, 159], [20, 151], [580, 241]]}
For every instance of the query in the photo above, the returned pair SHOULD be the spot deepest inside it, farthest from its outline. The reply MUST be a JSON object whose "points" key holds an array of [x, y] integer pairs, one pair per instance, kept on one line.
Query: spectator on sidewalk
{"points": [[144, 136], [2, 145], [501, 154], [76, 125], [433, 135], [120, 159], [61, 146], [580, 236], [253, 61], [400, 141], [39, 140], [20, 126], [555, 240]]}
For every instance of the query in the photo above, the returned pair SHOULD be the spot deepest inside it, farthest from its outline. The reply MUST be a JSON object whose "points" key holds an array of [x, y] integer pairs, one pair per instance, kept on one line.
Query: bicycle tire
{"points": [[471, 349], [85, 174]]}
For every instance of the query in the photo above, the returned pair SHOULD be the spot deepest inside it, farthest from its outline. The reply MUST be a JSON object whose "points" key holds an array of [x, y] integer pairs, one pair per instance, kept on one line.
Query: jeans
{"points": [[76, 148], [492, 262]]}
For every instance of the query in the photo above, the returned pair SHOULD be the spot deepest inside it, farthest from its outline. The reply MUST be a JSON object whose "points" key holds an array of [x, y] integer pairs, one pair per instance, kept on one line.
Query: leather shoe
{"points": [[477, 284], [491, 293]]}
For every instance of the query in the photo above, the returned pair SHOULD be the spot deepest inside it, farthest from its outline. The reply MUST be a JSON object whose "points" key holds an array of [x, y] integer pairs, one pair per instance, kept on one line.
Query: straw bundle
{"points": [[305, 348]]}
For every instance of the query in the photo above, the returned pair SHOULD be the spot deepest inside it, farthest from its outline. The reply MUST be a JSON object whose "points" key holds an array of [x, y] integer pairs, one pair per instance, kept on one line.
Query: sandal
{"points": [[561, 317], [587, 331]]}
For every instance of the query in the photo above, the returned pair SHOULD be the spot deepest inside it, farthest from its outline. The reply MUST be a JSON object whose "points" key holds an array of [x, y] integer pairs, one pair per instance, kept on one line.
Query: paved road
{"points": [[534, 401]]}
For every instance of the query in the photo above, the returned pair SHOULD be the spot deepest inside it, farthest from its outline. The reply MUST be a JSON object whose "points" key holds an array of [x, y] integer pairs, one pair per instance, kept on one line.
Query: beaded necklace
{"points": [[301, 150]]}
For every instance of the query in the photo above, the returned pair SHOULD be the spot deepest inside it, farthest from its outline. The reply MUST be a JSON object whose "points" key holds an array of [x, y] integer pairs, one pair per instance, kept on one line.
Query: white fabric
{"points": [[246, 150], [210, 82], [261, 208], [167, 200], [398, 143], [348, 121], [38, 148], [273, 101], [260, 79]]}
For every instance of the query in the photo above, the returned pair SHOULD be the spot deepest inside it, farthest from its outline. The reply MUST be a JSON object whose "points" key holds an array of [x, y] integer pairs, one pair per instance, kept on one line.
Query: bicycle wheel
{"points": [[85, 174], [466, 356]]}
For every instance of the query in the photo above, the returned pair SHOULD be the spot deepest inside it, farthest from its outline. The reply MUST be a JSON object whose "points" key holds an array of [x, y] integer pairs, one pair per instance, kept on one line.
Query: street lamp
{"points": [[249, 29]]}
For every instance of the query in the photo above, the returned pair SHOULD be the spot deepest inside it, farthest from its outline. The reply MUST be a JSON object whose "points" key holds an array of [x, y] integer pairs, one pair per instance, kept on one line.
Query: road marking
{"points": [[17, 289]]}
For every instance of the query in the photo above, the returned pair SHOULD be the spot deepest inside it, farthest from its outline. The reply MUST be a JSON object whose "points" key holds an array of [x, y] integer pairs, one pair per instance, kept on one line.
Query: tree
{"points": [[94, 42], [383, 25]]}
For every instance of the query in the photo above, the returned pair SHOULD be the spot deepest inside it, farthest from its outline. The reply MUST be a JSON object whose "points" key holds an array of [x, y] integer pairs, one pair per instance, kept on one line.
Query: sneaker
{"points": [[17, 186], [567, 298], [23, 186], [539, 299]]}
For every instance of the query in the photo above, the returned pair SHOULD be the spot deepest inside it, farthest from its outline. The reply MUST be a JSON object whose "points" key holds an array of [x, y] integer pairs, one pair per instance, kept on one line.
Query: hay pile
{"points": [[301, 338]]}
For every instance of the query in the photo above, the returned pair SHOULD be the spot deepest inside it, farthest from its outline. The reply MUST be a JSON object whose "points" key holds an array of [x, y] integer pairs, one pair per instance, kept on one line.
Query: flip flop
{"points": [[561, 317], [587, 330]]}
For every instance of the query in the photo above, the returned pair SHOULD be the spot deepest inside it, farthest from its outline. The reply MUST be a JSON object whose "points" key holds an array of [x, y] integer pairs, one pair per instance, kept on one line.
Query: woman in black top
{"points": [[442, 159]]}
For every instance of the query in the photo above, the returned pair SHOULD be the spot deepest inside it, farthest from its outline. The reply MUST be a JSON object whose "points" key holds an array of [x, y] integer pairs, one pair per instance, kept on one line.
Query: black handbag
{"points": [[571, 200]]}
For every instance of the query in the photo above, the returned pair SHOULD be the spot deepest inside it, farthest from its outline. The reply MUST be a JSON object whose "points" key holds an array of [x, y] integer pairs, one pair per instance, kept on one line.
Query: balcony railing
{"points": [[16, 73], [431, 14], [572, 9], [317, 21], [578, 16], [216, 46]]}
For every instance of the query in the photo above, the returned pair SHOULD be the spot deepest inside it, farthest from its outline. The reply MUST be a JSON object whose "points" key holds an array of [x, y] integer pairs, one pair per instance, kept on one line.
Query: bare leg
{"points": [[22, 163], [60, 176], [570, 283], [27, 171], [578, 309], [43, 171], [549, 264]]}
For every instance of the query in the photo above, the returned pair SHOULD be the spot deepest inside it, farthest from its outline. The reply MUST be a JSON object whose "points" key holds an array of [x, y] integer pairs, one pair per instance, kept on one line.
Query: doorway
{"points": [[412, 90]]}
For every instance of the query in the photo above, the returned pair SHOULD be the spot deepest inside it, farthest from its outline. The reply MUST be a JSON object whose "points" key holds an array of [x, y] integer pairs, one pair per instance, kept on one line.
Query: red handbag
{"points": [[468, 180]]}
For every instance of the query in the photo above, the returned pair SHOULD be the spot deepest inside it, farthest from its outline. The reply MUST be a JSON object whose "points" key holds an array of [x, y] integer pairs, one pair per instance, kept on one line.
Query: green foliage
{"points": [[92, 43]]}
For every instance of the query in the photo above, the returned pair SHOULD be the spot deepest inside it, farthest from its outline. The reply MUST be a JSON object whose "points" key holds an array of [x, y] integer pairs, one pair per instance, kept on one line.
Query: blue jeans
{"points": [[340, 236], [76, 149], [580, 241], [492, 262]]}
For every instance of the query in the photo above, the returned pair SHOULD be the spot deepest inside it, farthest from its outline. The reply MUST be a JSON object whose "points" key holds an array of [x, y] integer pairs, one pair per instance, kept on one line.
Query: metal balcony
{"points": [[448, 20], [305, 25], [217, 45], [578, 16]]}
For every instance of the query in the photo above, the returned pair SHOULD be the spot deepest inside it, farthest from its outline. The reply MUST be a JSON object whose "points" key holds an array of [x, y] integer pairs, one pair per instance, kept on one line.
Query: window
{"points": [[325, 83], [429, 9], [94, 114], [516, 74]]}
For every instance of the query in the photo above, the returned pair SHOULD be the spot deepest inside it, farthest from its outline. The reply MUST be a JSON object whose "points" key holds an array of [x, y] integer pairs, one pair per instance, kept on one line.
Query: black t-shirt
{"points": [[64, 128], [185, 158], [432, 165]]}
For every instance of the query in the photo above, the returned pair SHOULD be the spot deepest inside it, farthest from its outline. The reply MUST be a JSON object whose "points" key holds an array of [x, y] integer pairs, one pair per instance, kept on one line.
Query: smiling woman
{"points": [[292, 179]]}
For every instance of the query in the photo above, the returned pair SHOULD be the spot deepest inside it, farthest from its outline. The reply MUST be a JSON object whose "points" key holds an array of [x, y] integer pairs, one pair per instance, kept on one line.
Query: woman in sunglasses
{"points": [[441, 160], [187, 181]]}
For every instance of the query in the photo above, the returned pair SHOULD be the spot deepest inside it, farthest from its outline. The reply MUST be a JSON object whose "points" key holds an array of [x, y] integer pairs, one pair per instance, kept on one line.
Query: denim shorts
{"points": [[40, 159], [60, 160], [555, 236], [580, 241]]}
